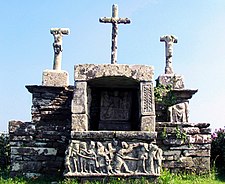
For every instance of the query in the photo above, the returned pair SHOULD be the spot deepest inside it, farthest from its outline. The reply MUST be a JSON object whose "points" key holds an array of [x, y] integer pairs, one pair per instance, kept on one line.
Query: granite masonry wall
{"points": [[186, 146], [38, 147]]}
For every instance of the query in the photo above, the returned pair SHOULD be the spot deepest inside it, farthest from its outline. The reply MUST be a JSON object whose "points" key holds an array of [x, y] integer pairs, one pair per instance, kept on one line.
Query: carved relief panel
{"points": [[114, 157]]}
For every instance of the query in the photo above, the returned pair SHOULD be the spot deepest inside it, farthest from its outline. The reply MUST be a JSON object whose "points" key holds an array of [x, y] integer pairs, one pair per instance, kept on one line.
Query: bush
{"points": [[4, 151], [218, 149]]}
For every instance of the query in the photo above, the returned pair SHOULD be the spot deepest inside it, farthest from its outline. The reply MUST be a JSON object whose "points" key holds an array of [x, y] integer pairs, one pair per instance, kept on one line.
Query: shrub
{"points": [[218, 149], [4, 151]]}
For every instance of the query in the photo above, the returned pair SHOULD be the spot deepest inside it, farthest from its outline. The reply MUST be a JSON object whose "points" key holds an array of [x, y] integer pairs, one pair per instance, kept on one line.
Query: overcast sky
{"points": [[26, 46]]}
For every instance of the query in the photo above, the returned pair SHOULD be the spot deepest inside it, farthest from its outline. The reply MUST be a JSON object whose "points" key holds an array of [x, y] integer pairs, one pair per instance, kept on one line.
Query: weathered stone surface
{"points": [[192, 147], [108, 135], [183, 124], [148, 123], [86, 72], [55, 78], [206, 130], [79, 122], [199, 153], [203, 164], [176, 81], [79, 102], [33, 151], [199, 138]]}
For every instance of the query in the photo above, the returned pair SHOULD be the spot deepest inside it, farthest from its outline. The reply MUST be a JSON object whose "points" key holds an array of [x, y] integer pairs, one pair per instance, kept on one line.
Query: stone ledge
{"points": [[183, 124], [108, 135], [86, 72]]}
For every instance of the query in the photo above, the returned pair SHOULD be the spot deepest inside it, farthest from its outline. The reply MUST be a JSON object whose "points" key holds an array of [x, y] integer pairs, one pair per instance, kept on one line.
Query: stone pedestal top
{"points": [[55, 78], [122, 135], [85, 72]]}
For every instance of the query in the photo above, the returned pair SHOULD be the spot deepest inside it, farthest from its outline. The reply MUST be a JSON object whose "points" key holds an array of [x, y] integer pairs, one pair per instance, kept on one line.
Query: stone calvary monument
{"points": [[109, 123]]}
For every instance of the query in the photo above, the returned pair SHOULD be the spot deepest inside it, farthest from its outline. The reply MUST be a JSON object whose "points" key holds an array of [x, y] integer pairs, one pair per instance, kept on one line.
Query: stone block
{"points": [[199, 138], [91, 71], [79, 102], [176, 81], [33, 151], [147, 98], [79, 122], [57, 78], [148, 123], [202, 164]]}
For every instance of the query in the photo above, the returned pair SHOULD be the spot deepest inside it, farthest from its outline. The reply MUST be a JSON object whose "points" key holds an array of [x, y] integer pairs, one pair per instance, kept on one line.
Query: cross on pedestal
{"points": [[169, 41], [57, 45], [114, 20]]}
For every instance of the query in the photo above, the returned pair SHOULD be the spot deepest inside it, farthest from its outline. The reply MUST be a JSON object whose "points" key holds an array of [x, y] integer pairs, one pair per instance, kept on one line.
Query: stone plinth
{"points": [[174, 80], [113, 153], [55, 78]]}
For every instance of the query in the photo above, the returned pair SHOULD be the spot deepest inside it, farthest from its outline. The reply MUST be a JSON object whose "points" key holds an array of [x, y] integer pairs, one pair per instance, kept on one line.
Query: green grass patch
{"points": [[165, 178]]}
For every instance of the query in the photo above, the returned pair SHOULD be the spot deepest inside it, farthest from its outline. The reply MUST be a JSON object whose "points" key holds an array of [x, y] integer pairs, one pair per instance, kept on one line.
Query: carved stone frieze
{"points": [[112, 158]]}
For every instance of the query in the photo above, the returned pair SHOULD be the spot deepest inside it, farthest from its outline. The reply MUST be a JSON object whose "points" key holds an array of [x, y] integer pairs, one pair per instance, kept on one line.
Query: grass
{"points": [[165, 178]]}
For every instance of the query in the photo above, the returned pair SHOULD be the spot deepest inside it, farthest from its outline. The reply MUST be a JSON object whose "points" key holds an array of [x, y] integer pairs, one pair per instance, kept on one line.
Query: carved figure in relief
{"points": [[92, 158], [121, 156], [179, 112], [68, 160], [151, 155], [158, 160], [82, 154], [142, 157], [103, 158], [75, 150]]}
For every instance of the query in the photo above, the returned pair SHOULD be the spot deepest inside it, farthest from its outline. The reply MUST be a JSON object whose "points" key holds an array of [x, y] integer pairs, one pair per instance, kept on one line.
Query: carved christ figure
{"points": [[57, 45], [114, 20], [169, 41]]}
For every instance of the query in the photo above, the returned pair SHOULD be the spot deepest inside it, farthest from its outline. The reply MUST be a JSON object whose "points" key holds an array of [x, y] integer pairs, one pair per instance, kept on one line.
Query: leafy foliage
{"points": [[163, 95], [218, 149], [4, 151]]}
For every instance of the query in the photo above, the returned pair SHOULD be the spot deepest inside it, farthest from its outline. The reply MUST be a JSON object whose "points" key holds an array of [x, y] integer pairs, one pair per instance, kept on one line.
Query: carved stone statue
{"points": [[169, 41], [179, 112], [57, 45]]}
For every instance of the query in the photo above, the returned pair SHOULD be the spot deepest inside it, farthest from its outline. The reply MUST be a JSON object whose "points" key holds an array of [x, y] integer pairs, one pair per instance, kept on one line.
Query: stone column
{"points": [[147, 109], [80, 107]]}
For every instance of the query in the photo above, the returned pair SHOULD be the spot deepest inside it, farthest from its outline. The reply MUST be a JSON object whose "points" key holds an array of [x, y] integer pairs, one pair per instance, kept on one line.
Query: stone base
{"points": [[176, 81], [55, 78], [113, 153]]}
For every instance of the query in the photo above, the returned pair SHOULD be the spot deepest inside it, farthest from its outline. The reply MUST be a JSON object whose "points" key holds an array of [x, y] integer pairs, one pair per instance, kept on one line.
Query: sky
{"points": [[26, 47]]}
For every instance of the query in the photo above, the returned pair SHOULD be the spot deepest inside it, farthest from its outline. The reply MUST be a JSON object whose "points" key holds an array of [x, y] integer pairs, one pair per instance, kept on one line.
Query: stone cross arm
{"points": [[114, 20], [64, 31]]}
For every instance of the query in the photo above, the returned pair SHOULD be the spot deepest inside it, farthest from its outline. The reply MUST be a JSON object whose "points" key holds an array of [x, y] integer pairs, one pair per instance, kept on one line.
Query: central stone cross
{"points": [[114, 20]]}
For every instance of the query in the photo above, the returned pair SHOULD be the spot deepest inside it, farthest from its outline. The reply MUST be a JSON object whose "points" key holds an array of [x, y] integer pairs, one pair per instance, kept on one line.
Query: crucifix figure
{"points": [[57, 45], [169, 40], [114, 20]]}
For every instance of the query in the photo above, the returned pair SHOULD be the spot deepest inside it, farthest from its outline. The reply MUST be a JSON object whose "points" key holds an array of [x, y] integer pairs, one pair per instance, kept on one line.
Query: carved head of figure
{"points": [[124, 145]]}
